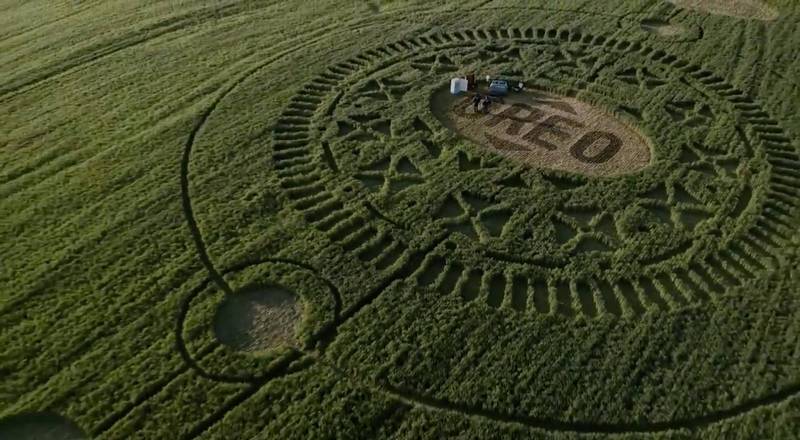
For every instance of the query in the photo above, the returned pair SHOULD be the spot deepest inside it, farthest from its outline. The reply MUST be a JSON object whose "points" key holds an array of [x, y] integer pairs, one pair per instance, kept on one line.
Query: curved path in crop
{"points": [[404, 396]]}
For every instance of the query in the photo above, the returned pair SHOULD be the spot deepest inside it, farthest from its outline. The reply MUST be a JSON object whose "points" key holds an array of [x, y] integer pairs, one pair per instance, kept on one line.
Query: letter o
{"points": [[578, 150]]}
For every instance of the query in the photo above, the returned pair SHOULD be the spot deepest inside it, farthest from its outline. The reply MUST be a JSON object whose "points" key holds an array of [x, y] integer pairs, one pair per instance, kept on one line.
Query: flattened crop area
{"points": [[279, 223], [554, 132]]}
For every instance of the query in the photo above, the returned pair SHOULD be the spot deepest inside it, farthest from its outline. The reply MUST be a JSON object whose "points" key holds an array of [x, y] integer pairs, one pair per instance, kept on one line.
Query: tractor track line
{"points": [[217, 415], [149, 392], [76, 10], [244, 395], [690, 423], [138, 37], [693, 424], [74, 158], [163, 28], [287, 366], [80, 356], [97, 52], [64, 258]]}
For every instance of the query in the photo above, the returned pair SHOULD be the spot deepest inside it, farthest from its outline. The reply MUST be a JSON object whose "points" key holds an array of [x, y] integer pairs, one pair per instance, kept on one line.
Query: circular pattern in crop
{"points": [[362, 163], [266, 315], [258, 319]]}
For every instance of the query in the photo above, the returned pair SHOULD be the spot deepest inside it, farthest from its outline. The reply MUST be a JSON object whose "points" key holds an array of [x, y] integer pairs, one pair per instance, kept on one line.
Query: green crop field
{"points": [[235, 219]]}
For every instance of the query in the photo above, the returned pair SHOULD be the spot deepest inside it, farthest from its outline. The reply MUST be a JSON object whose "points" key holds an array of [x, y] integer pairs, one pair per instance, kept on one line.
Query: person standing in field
{"points": [[487, 101], [476, 100]]}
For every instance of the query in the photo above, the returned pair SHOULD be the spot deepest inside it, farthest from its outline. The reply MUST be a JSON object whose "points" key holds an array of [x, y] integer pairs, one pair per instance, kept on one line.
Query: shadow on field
{"points": [[39, 426]]}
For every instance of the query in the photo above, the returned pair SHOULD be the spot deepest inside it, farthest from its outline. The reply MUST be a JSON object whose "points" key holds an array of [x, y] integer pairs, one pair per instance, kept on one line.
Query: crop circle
{"points": [[258, 319], [268, 312], [663, 238]]}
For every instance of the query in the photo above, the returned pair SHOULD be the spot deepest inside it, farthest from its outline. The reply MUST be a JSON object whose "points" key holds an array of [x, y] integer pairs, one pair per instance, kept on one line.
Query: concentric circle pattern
{"points": [[359, 160]]}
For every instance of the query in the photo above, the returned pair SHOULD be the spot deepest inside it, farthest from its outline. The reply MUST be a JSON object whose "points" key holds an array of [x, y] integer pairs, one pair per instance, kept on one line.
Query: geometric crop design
{"points": [[672, 235]]}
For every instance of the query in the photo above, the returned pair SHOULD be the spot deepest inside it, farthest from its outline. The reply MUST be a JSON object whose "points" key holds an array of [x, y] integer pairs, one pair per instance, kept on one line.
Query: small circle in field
{"points": [[546, 130], [257, 320], [662, 28], [754, 9], [39, 426]]}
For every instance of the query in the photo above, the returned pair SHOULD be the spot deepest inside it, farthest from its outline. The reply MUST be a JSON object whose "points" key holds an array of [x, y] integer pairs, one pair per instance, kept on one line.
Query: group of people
{"points": [[481, 103]]}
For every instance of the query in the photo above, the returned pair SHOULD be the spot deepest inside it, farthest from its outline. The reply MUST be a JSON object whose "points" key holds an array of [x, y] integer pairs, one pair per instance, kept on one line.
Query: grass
{"points": [[161, 159], [736, 8]]}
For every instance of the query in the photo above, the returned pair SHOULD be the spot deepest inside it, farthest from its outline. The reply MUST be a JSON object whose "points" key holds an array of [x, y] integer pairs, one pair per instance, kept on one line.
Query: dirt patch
{"points": [[733, 8], [39, 426], [549, 131], [258, 320], [663, 28]]}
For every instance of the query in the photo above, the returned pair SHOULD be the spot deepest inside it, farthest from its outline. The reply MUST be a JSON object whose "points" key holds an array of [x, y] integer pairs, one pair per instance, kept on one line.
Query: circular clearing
{"points": [[733, 8], [258, 319], [39, 426], [545, 130], [276, 309], [662, 28]]}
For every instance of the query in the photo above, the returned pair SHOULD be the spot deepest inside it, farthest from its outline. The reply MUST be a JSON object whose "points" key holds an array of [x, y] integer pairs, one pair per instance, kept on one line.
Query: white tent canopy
{"points": [[458, 85]]}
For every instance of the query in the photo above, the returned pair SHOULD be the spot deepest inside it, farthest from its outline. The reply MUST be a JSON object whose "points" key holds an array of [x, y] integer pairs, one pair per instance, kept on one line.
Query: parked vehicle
{"points": [[498, 87]]}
